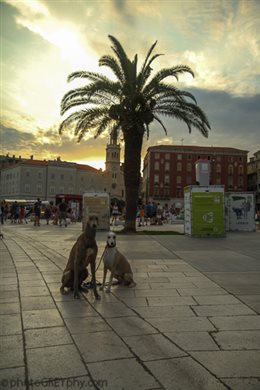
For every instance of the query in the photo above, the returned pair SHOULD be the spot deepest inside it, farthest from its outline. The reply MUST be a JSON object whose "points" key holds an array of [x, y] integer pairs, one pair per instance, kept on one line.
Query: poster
{"points": [[240, 211], [97, 203], [208, 214]]}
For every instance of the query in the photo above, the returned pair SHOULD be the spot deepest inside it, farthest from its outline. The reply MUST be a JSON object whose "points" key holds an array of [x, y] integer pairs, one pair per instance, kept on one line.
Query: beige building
{"points": [[30, 179]]}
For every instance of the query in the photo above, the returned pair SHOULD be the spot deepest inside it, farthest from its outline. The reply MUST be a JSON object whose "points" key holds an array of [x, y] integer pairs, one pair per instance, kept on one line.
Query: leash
{"points": [[89, 285], [101, 258]]}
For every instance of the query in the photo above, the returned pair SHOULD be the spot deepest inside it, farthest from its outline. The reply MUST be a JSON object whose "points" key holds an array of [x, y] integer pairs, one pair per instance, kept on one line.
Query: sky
{"points": [[43, 41]]}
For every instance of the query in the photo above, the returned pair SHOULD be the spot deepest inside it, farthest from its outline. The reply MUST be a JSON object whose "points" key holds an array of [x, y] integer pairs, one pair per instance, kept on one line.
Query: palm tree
{"points": [[127, 106]]}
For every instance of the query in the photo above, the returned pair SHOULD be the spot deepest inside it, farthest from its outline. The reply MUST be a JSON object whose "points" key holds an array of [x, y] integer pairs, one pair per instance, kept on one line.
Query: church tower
{"points": [[112, 155], [114, 175]]}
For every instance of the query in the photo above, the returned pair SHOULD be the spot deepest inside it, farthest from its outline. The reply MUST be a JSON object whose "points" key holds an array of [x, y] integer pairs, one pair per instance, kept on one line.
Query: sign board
{"points": [[240, 211], [204, 211], [96, 203]]}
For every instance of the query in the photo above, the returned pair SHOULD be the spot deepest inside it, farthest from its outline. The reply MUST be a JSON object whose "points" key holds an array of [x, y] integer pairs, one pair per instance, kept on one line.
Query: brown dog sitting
{"points": [[117, 264], [83, 253]]}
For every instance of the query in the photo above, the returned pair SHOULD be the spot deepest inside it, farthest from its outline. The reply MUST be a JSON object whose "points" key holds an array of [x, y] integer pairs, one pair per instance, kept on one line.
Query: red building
{"points": [[169, 168]]}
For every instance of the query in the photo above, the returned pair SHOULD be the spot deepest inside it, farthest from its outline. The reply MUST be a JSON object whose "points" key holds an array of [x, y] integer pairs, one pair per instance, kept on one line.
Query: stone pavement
{"points": [[192, 321]]}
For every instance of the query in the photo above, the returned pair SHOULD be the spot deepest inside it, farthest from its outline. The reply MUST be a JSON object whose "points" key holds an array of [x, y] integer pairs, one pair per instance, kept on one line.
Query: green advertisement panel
{"points": [[208, 214]]}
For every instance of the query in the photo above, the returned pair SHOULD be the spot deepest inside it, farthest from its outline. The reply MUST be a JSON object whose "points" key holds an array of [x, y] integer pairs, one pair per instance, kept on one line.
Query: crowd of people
{"points": [[59, 215], [150, 213]]}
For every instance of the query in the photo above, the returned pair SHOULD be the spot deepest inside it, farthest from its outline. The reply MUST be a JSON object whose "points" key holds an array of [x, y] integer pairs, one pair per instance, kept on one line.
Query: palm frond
{"points": [[113, 64], [161, 123], [93, 76], [125, 63]]}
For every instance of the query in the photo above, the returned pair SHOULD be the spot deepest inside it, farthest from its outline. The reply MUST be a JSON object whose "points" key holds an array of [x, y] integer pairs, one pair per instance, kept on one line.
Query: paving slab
{"points": [[37, 303], [61, 361], [10, 308], [127, 374], [11, 351], [47, 337], [230, 363], [252, 301], [216, 299], [41, 318], [156, 292], [34, 291], [131, 326], [84, 325], [75, 308], [193, 341], [243, 383], [113, 309], [110, 347], [236, 322], [170, 301], [153, 347], [238, 340], [165, 311], [183, 324], [183, 373], [10, 324], [222, 310], [12, 378], [184, 292]]}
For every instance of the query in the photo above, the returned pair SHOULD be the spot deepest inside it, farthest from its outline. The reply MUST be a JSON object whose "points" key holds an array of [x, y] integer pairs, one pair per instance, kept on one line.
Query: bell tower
{"points": [[112, 156], [114, 175]]}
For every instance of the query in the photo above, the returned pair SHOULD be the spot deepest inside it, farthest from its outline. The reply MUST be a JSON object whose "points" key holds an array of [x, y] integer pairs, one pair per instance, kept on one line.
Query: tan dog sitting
{"points": [[117, 264]]}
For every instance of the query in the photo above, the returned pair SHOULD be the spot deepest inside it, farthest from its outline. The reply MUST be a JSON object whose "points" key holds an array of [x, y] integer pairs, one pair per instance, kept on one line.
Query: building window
{"points": [[27, 174], [218, 180], [167, 156], [230, 158], [179, 156], [218, 168], [241, 182], [178, 179], [230, 169], [156, 190], [179, 192], [39, 189], [189, 156], [157, 156], [52, 176], [166, 192], [27, 188], [240, 170], [189, 167], [61, 190], [166, 179], [167, 166], [188, 180], [156, 166], [156, 179], [230, 182], [52, 190], [39, 175], [179, 166]]}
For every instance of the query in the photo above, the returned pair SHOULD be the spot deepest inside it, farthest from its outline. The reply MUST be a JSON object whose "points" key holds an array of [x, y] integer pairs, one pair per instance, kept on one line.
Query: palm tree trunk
{"points": [[132, 166]]}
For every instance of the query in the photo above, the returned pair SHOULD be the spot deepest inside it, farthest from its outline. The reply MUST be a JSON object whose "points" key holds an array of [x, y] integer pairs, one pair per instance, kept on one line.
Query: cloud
{"points": [[49, 144]]}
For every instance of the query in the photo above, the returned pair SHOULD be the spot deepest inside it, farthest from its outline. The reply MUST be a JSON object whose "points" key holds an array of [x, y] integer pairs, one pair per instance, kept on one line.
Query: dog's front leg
{"points": [[104, 279], [76, 278], [108, 290]]}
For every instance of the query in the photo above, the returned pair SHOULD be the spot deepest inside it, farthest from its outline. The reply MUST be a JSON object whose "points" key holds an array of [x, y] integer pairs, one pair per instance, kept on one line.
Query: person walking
{"points": [[48, 213], [37, 212], [22, 214], [63, 207]]}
